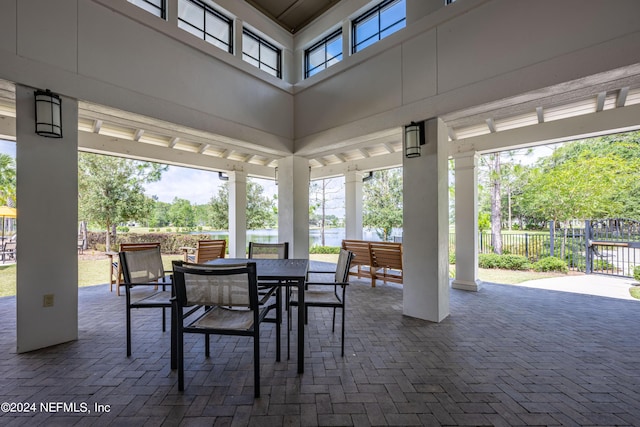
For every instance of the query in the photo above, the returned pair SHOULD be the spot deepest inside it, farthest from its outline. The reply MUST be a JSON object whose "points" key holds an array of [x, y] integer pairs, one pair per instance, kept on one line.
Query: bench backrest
{"points": [[386, 255], [137, 246], [360, 249]]}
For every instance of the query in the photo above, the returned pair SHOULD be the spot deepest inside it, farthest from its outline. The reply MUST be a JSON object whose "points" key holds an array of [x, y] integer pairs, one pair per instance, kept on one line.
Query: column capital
{"points": [[466, 160]]}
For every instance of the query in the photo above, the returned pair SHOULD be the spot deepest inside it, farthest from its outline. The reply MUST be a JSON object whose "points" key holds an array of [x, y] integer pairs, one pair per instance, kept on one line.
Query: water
{"points": [[332, 236]]}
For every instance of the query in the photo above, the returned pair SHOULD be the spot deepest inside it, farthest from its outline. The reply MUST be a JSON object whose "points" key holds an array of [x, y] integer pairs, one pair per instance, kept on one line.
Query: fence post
{"points": [[587, 251], [552, 230], [526, 245]]}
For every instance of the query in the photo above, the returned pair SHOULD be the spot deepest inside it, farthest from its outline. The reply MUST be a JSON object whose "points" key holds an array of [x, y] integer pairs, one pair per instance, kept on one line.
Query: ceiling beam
{"points": [[621, 100], [579, 127], [392, 160], [602, 97], [102, 144]]}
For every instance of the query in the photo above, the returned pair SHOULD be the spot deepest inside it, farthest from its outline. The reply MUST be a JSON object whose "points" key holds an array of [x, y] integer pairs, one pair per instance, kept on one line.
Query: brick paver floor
{"points": [[505, 356]]}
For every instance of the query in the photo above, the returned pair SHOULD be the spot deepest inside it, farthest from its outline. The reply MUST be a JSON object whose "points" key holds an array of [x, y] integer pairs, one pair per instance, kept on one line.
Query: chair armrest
{"points": [[327, 283]]}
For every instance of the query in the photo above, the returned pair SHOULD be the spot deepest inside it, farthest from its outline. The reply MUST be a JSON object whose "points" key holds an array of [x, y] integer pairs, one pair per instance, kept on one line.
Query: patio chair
{"points": [[228, 296], [270, 251], [206, 250], [114, 265], [9, 251], [146, 284], [326, 294]]}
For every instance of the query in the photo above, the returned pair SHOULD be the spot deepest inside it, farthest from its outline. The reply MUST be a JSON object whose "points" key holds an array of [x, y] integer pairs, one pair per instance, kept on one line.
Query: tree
{"points": [[322, 192], [578, 188], [181, 213], [383, 202], [7, 180], [110, 190], [261, 210]]}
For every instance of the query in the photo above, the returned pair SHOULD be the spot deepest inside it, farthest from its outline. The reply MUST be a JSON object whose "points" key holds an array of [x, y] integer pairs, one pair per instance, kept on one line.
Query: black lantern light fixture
{"points": [[223, 176], [48, 114], [414, 138]]}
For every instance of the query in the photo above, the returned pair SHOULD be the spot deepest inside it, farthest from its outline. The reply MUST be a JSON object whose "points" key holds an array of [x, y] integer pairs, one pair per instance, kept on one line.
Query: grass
{"points": [[96, 271], [635, 291]]}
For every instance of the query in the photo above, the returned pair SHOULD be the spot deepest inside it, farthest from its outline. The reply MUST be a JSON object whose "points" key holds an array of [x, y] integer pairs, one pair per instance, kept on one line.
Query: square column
{"points": [[353, 204], [238, 214], [466, 222], [425, 238], [293, 205], [47, 203]]}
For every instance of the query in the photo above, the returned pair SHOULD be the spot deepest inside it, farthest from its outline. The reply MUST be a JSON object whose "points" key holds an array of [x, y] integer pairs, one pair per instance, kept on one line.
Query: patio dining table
{"points": [[284, 271]]}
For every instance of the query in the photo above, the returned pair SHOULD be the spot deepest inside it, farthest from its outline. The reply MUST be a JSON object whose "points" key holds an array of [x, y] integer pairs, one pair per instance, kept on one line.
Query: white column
{"points": [[467, 222], [293, 205], [238, 214], [426, 230], [353, 205], [47, 203]]}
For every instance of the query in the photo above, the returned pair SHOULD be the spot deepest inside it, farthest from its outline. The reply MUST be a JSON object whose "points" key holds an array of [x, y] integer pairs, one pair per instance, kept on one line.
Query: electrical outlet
{"points": [[47, 300]]}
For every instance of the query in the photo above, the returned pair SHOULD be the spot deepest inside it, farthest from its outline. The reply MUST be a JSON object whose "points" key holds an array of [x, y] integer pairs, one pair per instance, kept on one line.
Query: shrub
{"points": [[452, 257], [122, 229], [551, 263], [324, 250], [636, 273], [506, 262]]}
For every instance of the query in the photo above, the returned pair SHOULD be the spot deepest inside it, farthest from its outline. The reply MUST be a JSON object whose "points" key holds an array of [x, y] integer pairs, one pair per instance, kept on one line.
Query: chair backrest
{"points": [[216, 285], [210, 249], [360, 249], [10, 246], [142, 265], [344, 264], [269, 250], [138, 246]]}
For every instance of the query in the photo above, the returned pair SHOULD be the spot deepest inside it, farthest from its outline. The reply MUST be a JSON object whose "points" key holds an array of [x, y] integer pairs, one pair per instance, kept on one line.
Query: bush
{"points": [[505, 262], [452, 257], [636, 273], [551, 263], [122, 229], [324, 250]]}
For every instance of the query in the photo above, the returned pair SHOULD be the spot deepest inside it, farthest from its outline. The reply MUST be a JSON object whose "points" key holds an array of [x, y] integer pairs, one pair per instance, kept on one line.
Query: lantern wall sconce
{"points": [[414, 139], [48, 114], [223, 176], [367, 177]]}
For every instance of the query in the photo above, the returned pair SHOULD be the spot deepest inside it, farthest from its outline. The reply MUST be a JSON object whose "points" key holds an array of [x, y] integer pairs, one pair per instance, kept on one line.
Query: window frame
{"points": [[162, 8], [262, 43], [208, 9], [324, 41], [376, 10]]}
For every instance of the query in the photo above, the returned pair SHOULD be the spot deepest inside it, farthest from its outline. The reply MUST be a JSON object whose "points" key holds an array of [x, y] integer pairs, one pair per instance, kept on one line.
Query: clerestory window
{"points": [[261, 54], [206, 23], [323, 54], [377, 23], [156, 7]]}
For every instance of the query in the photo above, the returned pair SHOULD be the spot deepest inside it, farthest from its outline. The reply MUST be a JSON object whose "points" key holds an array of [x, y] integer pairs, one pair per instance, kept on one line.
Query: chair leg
{"points": [[174, 340], [333, 322], [256, 362], [164, 319], [278, 321], [128, 331], [343, 316], [206, 345], [180, 358]]}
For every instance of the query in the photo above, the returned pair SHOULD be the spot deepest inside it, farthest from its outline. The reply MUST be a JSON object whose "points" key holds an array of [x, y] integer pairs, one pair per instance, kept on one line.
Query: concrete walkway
{"points": [[589, 284]]}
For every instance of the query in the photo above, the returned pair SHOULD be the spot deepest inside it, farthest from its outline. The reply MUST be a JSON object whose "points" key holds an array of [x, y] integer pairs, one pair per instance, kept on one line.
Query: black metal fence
{"points": [[605, 246]]}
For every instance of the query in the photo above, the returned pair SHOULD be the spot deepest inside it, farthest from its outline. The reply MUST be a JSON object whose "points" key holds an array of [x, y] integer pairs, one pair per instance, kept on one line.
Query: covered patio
{"points": [[506, 356]]}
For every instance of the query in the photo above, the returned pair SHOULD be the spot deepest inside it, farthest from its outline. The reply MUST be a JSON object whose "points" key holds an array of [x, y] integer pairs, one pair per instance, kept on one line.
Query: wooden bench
{"points": [[376, 260], [206, 251], [360, 249], [386, 262]]}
